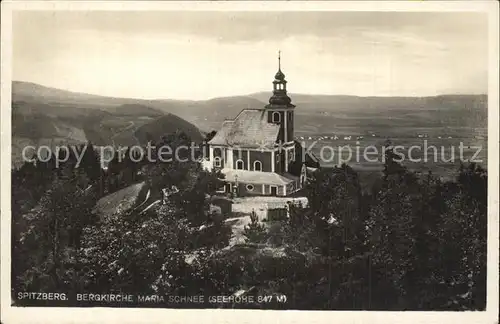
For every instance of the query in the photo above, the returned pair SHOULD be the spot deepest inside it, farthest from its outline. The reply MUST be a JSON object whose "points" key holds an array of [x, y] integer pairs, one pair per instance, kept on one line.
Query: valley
{"points": [[47, 116]]}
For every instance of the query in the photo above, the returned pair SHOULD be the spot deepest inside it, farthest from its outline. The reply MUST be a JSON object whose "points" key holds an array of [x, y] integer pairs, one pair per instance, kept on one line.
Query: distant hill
{"points": [[354, 103], [34, 94], [167, 124], [209, 114], [28, 91], [135, 110], [47, 116], [325, 114], [205, 114]]}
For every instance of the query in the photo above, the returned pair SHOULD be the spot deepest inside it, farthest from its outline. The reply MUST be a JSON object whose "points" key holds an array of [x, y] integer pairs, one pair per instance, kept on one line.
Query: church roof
{"points": [[249, 129], [257, 177], [280, 99]]}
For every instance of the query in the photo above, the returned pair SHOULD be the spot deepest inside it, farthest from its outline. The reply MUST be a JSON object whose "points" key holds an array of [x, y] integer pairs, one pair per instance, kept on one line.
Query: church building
{"points": [[257, 151]]}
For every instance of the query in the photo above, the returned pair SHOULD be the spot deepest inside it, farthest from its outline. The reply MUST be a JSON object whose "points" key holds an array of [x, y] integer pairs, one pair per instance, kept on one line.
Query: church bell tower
{"points": [[280, 109]]}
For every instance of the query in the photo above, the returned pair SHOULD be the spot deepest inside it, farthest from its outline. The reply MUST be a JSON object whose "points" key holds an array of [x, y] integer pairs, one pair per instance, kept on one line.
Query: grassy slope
{"points": [[119, 201]]}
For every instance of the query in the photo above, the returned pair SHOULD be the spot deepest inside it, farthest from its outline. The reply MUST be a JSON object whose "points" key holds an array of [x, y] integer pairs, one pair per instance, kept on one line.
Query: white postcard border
{"points": [[142, 315]]}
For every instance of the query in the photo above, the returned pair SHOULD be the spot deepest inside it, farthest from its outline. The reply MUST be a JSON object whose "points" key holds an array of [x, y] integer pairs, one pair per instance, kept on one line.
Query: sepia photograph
{"points": [[228, 158]]}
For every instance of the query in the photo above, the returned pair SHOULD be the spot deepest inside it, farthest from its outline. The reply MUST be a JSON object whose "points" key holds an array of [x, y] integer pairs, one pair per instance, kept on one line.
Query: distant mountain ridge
{"points": [[30, 89], [327, 102], [209, 114], [22, 90]]}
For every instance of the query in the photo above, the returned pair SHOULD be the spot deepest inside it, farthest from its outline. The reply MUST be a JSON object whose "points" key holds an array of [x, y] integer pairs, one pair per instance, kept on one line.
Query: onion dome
{"points": [[279, 75], [279, 96]]}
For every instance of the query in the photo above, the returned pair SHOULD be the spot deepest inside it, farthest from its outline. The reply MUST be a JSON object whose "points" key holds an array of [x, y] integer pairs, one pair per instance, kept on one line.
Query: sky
{"points": [[201, 55]]}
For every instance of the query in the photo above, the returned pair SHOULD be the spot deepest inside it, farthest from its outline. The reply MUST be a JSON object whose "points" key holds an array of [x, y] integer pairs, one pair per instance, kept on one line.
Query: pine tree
{"points": [[255, 232], [53, 236]]}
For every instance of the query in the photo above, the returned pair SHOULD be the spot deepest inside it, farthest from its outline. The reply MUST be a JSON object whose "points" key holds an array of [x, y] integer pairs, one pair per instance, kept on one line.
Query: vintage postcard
{"points": [[249, 161]]}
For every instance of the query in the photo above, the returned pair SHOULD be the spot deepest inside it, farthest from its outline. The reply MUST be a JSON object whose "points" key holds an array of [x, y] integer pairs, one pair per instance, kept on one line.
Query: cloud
{"points": [[207, 54], [254, 26]]}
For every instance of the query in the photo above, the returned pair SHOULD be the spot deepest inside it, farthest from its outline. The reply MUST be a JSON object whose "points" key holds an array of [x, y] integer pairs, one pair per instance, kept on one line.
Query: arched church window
{"points": [[218, 162], [276, 117], [240, 165], [257, 166]]}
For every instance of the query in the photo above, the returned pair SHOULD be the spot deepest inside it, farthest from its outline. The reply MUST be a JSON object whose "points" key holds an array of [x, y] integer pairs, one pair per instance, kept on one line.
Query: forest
{"points": [[410, 242]]}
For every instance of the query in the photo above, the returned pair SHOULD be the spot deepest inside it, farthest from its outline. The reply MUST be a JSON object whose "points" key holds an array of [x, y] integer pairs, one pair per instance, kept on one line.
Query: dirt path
{"points": [[126, 128], [237, 226]]}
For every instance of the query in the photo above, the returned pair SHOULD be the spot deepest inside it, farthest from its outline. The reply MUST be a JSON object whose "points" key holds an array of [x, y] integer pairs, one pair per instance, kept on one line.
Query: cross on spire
{"points": [[279, 59]]}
